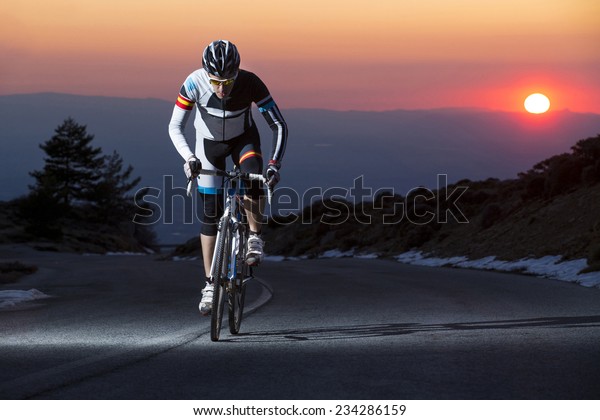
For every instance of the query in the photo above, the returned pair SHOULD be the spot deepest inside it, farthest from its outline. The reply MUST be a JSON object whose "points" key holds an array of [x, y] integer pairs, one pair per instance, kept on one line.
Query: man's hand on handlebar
{"points": [[192, 167], [272, 174]]}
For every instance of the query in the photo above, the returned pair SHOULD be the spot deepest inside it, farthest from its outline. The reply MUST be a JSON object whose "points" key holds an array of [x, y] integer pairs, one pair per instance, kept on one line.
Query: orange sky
{"points": [[377, 55]]}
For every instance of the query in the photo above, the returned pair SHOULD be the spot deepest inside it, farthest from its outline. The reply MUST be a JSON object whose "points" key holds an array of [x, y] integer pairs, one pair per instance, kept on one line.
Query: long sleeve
{"points": [[179, 118], [270, 111]]}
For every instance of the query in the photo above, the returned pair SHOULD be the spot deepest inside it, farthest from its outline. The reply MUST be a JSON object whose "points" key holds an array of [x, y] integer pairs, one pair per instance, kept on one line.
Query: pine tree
{"points": [[80, 188], [72, 166], [111, 200]]}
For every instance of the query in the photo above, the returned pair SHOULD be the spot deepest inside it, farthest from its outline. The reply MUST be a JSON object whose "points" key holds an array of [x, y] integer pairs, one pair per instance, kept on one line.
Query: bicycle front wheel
{"points": [[237, 293], [221, 269]]}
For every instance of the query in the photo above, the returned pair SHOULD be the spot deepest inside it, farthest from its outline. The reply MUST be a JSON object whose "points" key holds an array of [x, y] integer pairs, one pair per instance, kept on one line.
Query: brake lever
{"points": [[190, 184]]}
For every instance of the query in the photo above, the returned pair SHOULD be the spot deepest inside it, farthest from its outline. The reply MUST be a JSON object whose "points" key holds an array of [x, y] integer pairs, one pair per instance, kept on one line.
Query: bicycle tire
{"points": [[237, 294], [222, 254]]}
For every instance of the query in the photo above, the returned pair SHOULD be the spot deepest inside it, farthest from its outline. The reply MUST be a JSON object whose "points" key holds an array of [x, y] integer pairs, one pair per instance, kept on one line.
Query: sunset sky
{"points": [[377, 55]]}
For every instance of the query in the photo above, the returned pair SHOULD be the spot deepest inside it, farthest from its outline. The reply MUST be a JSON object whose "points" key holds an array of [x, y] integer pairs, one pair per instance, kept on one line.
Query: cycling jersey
{"points": [[224, 119]]}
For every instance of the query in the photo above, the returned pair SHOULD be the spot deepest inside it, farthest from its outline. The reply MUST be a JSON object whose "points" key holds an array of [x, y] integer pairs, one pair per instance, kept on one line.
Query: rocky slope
{"points": [[553, 209]]}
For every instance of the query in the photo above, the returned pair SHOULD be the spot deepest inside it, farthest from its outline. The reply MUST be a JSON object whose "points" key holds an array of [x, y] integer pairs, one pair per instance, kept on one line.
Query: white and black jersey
{"points": [[224, 119]]}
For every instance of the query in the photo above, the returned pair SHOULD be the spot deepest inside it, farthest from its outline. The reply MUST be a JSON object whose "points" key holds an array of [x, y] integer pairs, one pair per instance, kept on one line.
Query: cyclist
{"points": [[223, 94]]}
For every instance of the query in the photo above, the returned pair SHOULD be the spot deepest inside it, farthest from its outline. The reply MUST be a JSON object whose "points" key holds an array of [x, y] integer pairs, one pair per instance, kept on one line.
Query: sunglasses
{"points": [[216, 82]]}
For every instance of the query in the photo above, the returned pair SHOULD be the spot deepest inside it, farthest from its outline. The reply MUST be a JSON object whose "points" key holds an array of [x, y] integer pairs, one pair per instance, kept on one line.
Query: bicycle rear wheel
{"points": [[222, 255], [237, 293]]}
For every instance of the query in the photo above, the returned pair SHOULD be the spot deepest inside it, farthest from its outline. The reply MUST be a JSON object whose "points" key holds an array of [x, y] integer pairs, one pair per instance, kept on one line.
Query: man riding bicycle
{"points": [[223, 94]]}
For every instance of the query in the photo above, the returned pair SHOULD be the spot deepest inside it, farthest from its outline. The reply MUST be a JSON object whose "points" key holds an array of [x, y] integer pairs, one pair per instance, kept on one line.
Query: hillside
{"points": [[552, 209], [566, 225]]}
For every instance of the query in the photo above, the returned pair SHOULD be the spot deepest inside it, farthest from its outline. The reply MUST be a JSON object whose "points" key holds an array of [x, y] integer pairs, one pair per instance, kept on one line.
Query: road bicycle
{"points": [[229, 270]]}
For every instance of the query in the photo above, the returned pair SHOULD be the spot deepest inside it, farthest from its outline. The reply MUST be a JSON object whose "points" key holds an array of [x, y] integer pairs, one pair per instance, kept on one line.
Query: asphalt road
{"points": [[127, 327]]}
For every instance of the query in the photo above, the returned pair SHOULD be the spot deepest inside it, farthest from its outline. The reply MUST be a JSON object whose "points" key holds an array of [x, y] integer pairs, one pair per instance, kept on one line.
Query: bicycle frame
{"points": [[232, 214]]}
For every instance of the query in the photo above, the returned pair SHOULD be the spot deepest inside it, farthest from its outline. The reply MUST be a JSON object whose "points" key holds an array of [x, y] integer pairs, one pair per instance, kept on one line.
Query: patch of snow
{"points": [[551, 266], [274, 258], [176, 258], [417, 258], [336, 253], [10, 298], [300, 258]]}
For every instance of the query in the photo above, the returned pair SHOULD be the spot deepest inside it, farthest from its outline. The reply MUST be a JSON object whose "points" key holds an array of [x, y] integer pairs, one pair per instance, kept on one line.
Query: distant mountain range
{"points": [[327, 149]]}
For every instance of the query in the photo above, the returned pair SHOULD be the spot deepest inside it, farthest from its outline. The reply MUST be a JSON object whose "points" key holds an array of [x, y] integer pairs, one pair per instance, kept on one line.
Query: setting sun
{"points": [[537, 103]]}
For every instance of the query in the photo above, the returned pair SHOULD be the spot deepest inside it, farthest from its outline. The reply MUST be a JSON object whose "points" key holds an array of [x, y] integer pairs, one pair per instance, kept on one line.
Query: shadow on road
{"points": [[394, 329]]}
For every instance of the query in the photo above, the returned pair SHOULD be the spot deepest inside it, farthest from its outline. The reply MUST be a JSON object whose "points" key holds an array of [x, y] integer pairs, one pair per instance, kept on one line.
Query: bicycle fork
{"points": [[220, 232]]}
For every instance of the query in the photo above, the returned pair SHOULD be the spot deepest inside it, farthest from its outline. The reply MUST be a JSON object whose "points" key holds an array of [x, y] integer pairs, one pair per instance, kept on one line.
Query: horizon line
{"points": [[439, 109]]}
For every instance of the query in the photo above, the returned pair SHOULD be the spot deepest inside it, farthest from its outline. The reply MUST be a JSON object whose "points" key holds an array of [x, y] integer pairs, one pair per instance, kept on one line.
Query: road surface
{"points": [[127, 327]]}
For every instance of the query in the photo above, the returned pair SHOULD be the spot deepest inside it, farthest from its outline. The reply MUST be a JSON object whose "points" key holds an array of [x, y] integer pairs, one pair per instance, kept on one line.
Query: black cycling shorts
{"points": [[246, 154]]}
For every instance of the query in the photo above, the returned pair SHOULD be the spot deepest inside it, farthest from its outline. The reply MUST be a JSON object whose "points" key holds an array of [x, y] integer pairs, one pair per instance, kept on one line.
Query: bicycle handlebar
{"points": [[231, 175]]}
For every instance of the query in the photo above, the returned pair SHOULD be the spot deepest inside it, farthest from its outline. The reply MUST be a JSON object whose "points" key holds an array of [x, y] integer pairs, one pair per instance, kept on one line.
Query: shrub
{"points": [[594, 255], [418, 235], [490, 215], [591, 174], [564, 172], [534, 188]]}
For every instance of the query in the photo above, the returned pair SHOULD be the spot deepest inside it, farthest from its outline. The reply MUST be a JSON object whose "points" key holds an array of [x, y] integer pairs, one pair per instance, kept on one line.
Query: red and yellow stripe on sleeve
{"points": [[184, 103]]}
